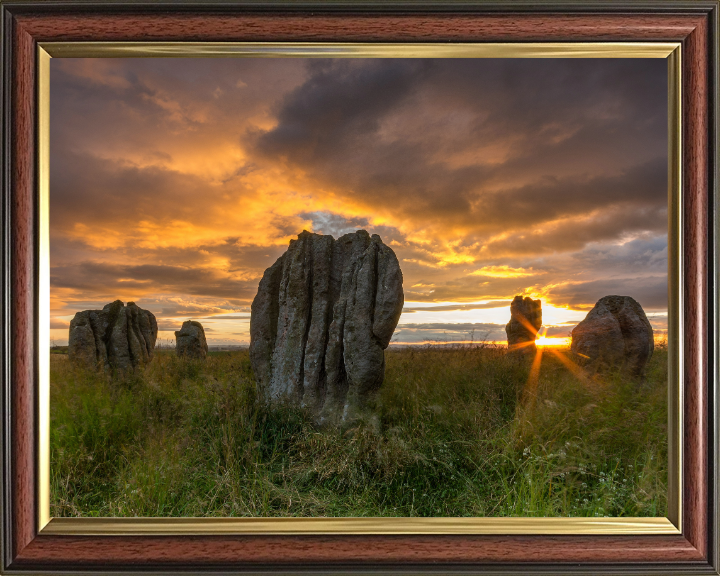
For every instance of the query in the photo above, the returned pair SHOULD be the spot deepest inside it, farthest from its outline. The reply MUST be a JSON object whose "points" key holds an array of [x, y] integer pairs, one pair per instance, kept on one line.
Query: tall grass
{"points": [[464, 431]]}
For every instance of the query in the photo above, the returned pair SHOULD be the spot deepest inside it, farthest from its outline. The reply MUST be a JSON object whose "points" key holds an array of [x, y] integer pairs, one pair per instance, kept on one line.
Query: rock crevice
{"points": [[322, 317], [615, 334], [116, 338], [190, 341]]}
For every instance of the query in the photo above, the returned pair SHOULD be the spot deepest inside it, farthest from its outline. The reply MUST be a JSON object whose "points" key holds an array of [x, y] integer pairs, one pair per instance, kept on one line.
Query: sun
{"points": [[552, 341]]}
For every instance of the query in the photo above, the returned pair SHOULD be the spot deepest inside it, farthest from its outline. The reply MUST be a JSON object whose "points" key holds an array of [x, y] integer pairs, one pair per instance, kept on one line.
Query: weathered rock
{"points": [[190, 341], [323, 315], [525, 321], [615, 334], [117, 338]]}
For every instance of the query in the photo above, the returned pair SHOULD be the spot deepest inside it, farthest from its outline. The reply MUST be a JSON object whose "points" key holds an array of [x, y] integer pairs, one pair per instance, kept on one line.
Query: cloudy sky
{"points": [[176, 182]]}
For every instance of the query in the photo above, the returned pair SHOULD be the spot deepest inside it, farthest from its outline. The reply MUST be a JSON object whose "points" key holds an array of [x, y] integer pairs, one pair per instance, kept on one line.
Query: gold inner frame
{"points": [[505, 525]]}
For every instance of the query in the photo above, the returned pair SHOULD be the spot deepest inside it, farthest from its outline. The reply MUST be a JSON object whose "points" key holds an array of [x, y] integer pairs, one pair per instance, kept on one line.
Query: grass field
{"points": [[465, 431]]}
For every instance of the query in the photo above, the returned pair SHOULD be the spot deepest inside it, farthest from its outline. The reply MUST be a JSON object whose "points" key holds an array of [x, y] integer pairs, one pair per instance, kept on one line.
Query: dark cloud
{"points": [[449, 332], [573, 235], [102, 278], [645, 255], [559, 331], [75, 265], [472, 288], [641, 189], [454, 307], [227, 317], [453, 326], [341, 102], [97, 193], [137, 104], [189, 310], [582, 137], [651, 292]]}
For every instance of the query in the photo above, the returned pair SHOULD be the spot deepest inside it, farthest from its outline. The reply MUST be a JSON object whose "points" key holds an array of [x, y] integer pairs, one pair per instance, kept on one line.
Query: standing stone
{"points": [[117, 338], [615, 334], [190, 341], [323, 315], [525, 321]]}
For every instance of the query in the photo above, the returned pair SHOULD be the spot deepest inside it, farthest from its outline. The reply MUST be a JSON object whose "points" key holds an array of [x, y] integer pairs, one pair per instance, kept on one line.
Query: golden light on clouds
{"points": [[175, 183], [503, 272]]}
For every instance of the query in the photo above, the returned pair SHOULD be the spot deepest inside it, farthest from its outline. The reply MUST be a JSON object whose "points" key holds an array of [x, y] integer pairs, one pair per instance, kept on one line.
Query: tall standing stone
{"points": [[525, 322], [190, 341], [322, 317], [117, 338], [615, 334]]}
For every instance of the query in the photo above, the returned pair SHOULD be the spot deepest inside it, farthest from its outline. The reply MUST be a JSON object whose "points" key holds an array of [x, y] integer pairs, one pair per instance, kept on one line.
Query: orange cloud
{"points": [[504, 272], [182, 181]]}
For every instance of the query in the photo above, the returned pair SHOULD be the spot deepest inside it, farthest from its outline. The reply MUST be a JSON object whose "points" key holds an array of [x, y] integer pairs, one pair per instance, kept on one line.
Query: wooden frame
{"points": [[693, 24]]}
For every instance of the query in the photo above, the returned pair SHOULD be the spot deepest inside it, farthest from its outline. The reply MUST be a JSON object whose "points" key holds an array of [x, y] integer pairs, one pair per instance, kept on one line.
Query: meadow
{"points": [[462, 431]]}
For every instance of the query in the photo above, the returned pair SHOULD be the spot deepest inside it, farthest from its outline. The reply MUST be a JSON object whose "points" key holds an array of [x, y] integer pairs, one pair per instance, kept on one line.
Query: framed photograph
{"points": [[360, 288]]}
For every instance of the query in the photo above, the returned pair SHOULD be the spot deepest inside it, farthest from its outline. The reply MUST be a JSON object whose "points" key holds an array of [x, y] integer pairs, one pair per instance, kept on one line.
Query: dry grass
{"points": [[465, 431]]}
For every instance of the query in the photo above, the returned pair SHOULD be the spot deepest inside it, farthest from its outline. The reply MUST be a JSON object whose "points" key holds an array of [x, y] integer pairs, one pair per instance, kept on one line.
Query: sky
{"points": [[175, 183]]}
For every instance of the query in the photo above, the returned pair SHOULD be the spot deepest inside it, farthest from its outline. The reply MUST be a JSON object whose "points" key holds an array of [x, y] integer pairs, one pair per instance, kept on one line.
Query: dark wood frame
{"points": [[25, 23]]}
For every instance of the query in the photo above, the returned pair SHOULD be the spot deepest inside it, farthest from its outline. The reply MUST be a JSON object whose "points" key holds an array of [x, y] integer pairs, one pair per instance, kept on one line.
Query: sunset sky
{"points": [[176, 182]]}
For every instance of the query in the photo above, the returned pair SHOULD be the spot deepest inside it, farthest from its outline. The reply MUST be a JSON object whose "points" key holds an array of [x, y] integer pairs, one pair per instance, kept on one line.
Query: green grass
{"points": [[461, 433]]}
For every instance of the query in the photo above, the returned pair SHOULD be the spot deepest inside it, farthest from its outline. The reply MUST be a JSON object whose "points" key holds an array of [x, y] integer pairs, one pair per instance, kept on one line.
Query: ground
{"points": [[462, 431]]}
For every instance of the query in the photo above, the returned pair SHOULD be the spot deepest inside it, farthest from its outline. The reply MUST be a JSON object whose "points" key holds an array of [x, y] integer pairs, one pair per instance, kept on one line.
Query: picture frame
{"points": [[29, 547]]}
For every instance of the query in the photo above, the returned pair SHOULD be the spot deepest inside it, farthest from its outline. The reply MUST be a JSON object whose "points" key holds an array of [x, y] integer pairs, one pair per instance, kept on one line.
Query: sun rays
{"points": [[187, 179], [559, 351]]}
